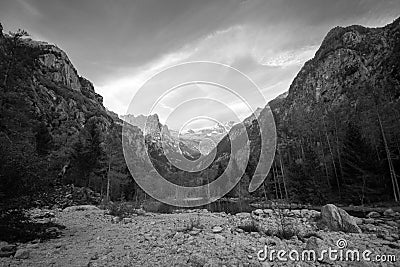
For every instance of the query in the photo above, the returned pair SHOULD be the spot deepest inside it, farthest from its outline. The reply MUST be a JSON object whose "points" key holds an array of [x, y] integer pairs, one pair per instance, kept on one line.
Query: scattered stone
{"points": [[389, 238], [53, 231], [178, 235], [388, 212], [126, 220], [95, 256], [263, 240], [139, 212], [59, 245], [369, 221], [358, 220], [373, 214], [336, 219], [296, 213], [245, 221], [116, 219], [219, 237], [369, 228], [314, 243], [258, 212], [314, 213], [197, 259], [217, 229], [22, 254], [268, 211], [243, 215], [6, 254], [40, 214], [81, 208], [32, 246], [194, 232], [8, 247]]}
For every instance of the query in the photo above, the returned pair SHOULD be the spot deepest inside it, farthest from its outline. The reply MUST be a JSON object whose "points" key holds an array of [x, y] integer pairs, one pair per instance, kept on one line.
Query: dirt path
{"points": [[92, 239]]}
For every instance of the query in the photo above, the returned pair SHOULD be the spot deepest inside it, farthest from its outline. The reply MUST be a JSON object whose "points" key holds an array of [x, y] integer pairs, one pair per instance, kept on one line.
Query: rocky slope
{"points": [[349, 58]]}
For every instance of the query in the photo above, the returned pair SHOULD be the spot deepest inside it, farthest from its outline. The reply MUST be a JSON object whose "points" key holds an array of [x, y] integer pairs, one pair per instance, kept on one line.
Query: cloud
{"points": [[118, 46], [291, 57], [29, 8]]}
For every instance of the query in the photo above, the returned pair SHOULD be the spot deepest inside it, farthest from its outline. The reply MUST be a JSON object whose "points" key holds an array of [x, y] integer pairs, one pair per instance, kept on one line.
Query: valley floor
{"points": [[193, 238]]}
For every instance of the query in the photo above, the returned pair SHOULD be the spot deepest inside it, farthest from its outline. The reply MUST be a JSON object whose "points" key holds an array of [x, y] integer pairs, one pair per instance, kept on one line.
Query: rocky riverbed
{"points": [[201, 238]]}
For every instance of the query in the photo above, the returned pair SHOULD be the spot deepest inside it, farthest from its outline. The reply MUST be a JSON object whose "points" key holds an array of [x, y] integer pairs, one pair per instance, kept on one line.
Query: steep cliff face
{"points": [[347, 59], [162, 142], [339, 123], [45, 105], [53, 90]]}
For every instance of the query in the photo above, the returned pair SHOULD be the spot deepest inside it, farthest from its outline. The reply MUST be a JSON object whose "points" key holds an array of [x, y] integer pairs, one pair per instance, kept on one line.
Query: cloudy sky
{"points": [[118, 45]]}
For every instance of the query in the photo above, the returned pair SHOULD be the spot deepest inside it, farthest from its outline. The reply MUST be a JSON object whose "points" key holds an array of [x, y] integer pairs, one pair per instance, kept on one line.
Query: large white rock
{"points": [[336, 219]]}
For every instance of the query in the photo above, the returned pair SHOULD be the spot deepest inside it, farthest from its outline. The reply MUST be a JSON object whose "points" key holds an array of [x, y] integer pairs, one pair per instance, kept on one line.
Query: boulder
{"points": [[217, 229], [373, 214], [388, 212], [244, 221], [336, 219], [22, 254]]}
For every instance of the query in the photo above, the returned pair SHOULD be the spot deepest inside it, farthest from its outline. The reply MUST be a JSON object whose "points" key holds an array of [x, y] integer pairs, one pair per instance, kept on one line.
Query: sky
{"points": [[120, 45]]}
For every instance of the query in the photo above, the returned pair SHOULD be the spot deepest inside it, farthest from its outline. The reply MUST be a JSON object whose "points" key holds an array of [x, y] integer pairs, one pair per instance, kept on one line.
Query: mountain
{"points": [[205, 139], [338, 125], [194, 141], [338, 128], [160, 135], [54, 128]]}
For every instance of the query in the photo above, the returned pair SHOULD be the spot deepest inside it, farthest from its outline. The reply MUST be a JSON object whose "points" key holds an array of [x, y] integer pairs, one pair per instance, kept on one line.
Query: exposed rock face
{"points": [[159, 139], [336, 219], [148, 124], [58, 94], [347, 57], [57, 66]]}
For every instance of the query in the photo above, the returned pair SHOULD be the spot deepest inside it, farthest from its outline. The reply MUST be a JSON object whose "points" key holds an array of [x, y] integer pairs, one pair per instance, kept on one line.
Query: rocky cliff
{"points": [[51, 120], [348, 57]]}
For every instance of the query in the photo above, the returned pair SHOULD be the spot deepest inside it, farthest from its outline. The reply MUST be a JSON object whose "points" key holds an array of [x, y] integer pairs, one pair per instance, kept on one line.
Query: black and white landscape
{"points": [[70, 190]]}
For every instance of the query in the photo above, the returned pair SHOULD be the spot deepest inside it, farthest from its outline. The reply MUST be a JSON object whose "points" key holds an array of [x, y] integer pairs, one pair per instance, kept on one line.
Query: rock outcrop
{"points": [[336, 219]]}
